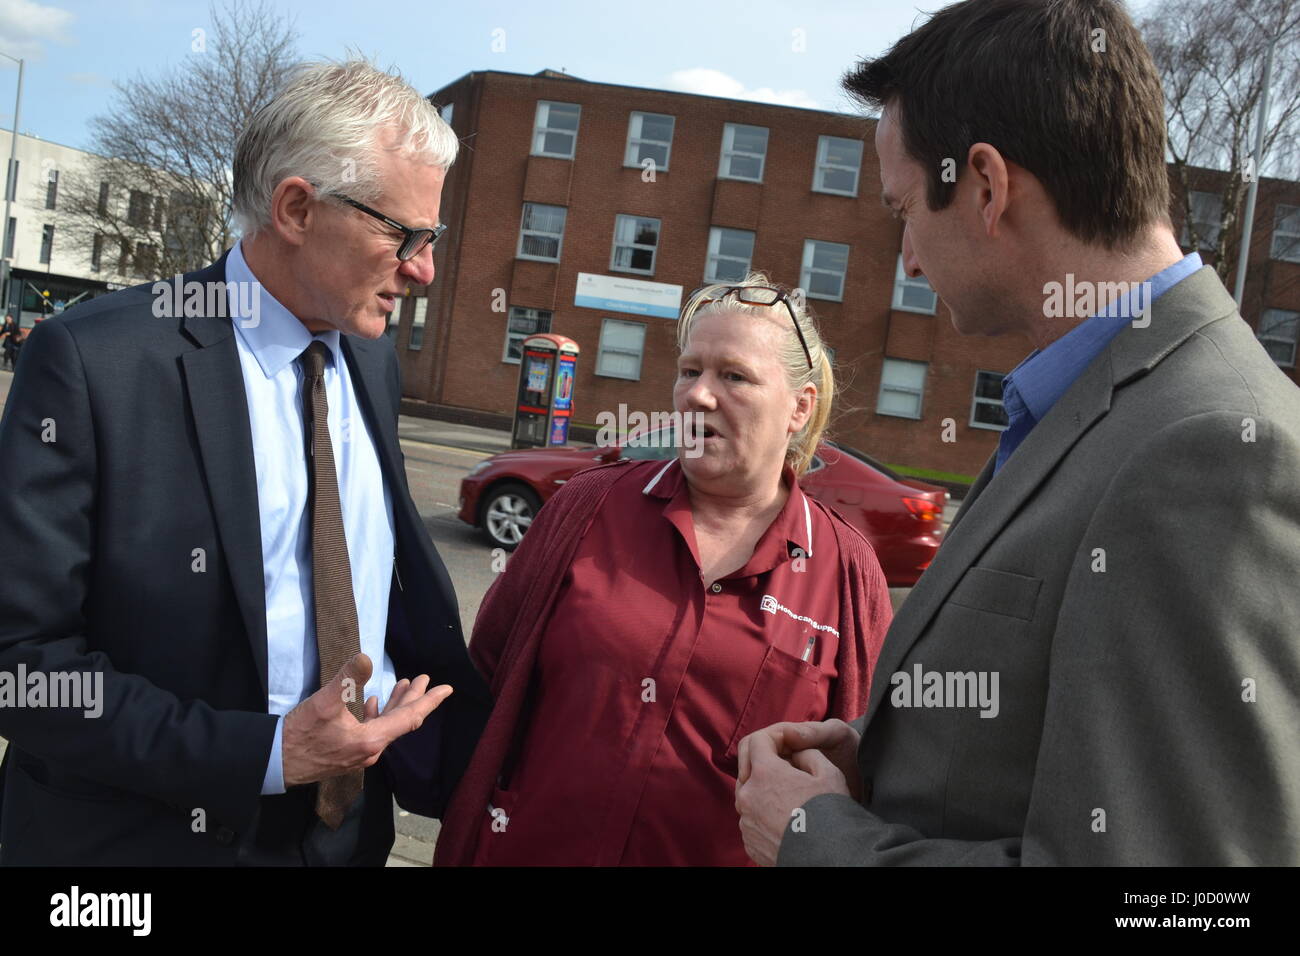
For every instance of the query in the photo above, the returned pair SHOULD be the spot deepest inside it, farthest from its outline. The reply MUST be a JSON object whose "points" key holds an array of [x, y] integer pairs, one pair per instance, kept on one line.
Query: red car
{"points": [[901, 517]]}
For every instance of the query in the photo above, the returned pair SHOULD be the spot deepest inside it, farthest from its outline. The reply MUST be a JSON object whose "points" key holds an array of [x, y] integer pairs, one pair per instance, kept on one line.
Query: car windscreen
{"points": [[868, 460]]}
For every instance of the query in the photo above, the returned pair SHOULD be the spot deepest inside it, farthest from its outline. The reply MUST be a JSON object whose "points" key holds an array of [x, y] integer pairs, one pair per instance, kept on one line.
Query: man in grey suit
{"points": [[1101, 665]]}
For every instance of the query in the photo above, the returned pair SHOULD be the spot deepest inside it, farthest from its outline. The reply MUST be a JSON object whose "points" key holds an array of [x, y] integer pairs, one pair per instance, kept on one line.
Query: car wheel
{"points": [[507, 513]]}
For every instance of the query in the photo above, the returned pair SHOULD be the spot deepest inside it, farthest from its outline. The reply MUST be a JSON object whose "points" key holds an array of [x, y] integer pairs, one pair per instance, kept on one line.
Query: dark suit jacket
{"points": [[1132, 575], [151, 459]]}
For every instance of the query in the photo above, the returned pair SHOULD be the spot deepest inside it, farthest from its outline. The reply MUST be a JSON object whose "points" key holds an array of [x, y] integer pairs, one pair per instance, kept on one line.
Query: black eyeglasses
{"points": [[750, 295], [414, 240]]}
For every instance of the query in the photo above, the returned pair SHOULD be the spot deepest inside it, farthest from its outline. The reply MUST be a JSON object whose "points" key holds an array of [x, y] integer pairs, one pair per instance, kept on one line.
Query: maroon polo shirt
{"points": [[646, 681]]}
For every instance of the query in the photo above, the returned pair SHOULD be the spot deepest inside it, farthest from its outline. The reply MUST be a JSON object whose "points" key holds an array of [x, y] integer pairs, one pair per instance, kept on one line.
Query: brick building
{"points": [[639, 196]]}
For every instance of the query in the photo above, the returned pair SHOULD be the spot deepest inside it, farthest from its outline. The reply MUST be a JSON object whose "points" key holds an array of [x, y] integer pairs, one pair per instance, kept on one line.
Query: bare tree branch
{"points": [[164, 149]]}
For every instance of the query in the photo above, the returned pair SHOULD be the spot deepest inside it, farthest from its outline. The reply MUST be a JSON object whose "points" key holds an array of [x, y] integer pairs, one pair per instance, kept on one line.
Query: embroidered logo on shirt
{"points": [[771, 606]]}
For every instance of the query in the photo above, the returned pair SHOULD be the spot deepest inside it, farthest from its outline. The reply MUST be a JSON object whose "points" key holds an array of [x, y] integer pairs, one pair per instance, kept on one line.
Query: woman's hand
{"points": [[837, 741]]}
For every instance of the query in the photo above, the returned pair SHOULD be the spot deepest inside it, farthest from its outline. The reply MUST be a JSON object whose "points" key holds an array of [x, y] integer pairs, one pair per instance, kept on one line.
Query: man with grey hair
{"points": [[205, 506]]}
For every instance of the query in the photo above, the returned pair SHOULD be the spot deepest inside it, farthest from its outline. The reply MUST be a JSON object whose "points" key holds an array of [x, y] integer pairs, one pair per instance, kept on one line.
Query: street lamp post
{"points": [[11, 187]]}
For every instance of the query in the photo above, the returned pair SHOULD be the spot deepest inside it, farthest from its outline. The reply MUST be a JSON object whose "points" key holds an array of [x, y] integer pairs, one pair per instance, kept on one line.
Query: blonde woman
{"points": [[656, 613]]}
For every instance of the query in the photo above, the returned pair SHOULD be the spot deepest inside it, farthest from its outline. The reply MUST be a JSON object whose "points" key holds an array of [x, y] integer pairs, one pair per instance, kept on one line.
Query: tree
{"points": [[1210, 55], [156, 199]]}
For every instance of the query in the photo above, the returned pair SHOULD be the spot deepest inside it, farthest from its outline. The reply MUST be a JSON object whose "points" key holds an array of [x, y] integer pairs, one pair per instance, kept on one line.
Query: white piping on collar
{"points": [[655, 480], [807, 522]]}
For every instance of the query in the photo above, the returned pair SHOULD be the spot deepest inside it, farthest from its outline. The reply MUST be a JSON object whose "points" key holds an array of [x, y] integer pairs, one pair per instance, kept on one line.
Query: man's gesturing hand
{"points": [[837, 741], [322, 739]]}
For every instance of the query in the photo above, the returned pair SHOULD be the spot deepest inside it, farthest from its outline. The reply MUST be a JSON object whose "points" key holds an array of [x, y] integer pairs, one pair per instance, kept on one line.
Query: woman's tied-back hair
{"points": [[803, 443], [322, 126]]}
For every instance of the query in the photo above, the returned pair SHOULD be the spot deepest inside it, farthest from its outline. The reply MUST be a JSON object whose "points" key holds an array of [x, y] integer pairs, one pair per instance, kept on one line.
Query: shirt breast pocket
{"points": [[786, 689]]}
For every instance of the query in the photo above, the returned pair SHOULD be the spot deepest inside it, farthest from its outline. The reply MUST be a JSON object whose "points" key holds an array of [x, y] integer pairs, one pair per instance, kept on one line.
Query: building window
{"points": [[1277, 333], [556, 130], [52, 189], [521, 324], [1206, 216], [102, 207], [986, 409], [447, 112], [902, 384], [730, 253], [838, 163], [649, 136], [124, 256], [10, 233], [1286, 233], [11, 184], [47, 242], [824, 265], [137, 210], [146, 259], [416, 340], [394, 323], [743, 150], [542, 232], [635, 241], [96, 252], [913, 295], [621, 346]]}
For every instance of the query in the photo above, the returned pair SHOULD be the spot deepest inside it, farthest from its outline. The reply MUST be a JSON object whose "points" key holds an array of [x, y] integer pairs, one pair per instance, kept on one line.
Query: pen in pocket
{"points": [[807, 651]]}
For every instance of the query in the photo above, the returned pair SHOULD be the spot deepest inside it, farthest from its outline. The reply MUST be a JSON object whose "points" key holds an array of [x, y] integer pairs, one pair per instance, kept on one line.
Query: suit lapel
{"points": [[366, 368], [995, 499], [215, 385], [994, 505]]}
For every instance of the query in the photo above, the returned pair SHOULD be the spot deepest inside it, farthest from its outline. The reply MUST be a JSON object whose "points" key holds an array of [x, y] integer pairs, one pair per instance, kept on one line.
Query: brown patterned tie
{"points": [[338, 637]]}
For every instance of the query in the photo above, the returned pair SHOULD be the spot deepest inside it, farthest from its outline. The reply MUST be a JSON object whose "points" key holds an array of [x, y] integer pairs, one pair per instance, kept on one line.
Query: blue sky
{"points": [[74, 51]]}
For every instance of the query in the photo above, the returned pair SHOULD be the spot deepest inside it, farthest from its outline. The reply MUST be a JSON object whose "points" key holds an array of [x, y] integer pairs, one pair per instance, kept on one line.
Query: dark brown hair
{"points": [[1030, 78]]}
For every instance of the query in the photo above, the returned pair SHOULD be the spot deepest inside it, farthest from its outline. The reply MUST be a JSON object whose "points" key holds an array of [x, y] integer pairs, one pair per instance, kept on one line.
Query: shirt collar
{"points": [[1043, 377], [791, 528], [277, 338]]}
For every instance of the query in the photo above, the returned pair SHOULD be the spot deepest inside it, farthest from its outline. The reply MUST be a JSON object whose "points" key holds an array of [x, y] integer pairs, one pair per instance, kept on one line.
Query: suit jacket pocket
{"points": [[997, 592], [786, 688]]}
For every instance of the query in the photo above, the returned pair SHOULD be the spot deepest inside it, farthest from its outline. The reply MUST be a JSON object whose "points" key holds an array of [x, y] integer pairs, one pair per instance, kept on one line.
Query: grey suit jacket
{"points": [[1132, 577]]}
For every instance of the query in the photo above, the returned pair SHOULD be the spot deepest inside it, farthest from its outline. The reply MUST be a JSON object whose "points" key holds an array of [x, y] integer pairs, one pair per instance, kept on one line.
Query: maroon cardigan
{"points": [[517, 610]]}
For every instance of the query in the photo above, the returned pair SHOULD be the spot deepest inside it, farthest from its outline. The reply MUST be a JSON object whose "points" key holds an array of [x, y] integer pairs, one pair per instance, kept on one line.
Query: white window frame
{"points": [[601, 351], [906, 390], [511, 335], [616, 245], [415, 342], [714, 256], [729, 150], [1290, 236], [978, 399], [541, 127], [806, 271], [903, 281], [559, 236], [1206, 199], [631, 155], [821, 166], [1295, 319]]}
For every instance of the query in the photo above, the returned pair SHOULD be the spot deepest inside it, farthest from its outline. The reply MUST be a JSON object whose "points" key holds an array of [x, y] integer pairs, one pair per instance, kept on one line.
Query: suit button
{"points": [[225, 836]]}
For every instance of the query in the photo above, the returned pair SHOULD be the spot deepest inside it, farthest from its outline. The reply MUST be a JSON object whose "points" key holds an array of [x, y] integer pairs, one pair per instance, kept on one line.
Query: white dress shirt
{"points": [[268, 356]]}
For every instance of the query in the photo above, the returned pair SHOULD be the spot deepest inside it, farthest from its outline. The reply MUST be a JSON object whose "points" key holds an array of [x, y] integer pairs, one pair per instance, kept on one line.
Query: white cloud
{"points": [[26, 27], [716, 83]]}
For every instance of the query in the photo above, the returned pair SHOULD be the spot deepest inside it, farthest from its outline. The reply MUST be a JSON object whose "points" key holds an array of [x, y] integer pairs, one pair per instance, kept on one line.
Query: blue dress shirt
{"points": [[1031, 389], [269, 343]]}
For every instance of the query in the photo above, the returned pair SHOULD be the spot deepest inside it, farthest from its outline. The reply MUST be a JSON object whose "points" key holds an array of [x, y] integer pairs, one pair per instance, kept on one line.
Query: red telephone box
{"points": [[544, 404]]}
